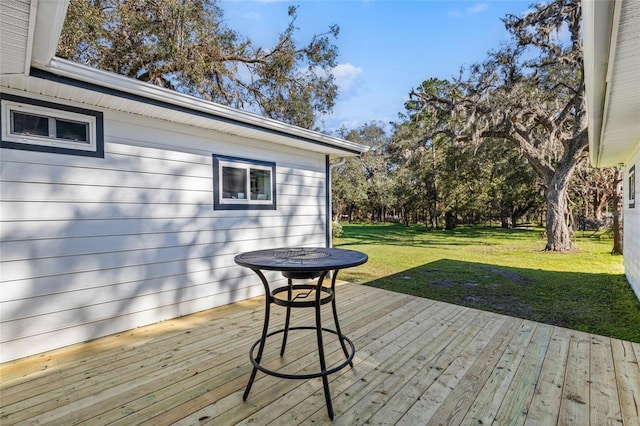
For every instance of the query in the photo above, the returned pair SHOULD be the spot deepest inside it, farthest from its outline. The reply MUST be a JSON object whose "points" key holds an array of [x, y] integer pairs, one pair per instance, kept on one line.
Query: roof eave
{"points": [[597, 15], [46, 22], [93, 76], [49, 21]]}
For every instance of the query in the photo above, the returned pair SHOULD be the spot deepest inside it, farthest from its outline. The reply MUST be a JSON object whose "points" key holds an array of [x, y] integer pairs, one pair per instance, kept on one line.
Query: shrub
{"points": [[336, 229]]}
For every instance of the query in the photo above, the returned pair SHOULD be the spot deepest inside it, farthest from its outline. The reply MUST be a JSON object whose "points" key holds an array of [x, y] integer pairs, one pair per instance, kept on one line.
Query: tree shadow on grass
{"points": [[597, 303]]}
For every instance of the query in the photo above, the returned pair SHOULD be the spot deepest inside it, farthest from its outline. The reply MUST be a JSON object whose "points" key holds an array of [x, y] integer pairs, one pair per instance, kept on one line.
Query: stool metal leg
{"points": [[287, 318], [265, 329], [323, 365], [335, 317]]}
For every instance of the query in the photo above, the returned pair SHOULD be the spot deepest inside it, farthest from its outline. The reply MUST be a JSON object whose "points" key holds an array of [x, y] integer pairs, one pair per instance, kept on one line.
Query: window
{"points": [[241, 184], [44, 126], [632, 187]]}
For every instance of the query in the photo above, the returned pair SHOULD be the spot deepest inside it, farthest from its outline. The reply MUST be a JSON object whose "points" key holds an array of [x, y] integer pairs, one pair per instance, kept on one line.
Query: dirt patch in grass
{"points": [[512, 276], [446, 284], [506, 305], [484, 287]]}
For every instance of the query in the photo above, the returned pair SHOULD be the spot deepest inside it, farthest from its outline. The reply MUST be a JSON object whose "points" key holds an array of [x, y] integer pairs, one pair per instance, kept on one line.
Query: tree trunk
{"points": [[504, 214], [434, 215], [618, 200], [451, 221], [558, 235], [504, 222], [598, 206]]}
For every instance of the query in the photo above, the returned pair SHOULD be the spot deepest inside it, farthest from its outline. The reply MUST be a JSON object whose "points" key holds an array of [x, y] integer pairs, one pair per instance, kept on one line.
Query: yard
{"points": [[501, 270]]}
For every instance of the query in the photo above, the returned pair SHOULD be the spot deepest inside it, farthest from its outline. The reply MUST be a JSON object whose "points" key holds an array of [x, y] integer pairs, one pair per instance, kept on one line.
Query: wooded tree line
{"points": [[504, 141], [443, 184]]}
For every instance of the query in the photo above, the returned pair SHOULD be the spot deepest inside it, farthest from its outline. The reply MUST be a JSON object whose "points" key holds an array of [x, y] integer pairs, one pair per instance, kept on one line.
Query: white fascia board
{"points": [[33, 11], [120, 83], [50, 16], [597, 18]]}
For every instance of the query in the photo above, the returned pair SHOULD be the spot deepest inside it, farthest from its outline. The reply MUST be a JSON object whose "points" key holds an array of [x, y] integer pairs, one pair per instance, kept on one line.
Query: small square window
{"points": [[632, 187], [35, 125], [241, 184]]}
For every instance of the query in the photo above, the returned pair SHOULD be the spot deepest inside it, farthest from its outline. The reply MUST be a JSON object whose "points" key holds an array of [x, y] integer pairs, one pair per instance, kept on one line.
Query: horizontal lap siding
{"points": [[632, 227], [92, 247]]}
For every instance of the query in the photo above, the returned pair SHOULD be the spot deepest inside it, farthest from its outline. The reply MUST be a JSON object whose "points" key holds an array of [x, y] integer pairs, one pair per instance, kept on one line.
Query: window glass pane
{"points": [[29, 124], [234, 182], [72, 130], [260, 184]]}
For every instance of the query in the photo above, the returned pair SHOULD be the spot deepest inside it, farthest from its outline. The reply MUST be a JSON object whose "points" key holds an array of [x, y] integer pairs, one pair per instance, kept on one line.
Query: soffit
{"points": [[15, 36], [620, 132]]}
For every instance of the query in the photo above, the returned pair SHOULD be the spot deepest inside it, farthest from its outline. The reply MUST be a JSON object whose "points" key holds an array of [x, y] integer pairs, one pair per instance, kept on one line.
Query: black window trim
{"points": [[632, 187], [217, 205], [99, 128]]}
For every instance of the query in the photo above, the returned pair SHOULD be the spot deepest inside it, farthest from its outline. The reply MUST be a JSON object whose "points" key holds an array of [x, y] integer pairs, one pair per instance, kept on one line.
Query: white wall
{"points": [[631, 237], [94, 246]]}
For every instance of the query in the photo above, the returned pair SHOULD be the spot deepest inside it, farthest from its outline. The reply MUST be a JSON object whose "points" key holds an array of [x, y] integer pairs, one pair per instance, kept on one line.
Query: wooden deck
{"points": [[417, 362]]}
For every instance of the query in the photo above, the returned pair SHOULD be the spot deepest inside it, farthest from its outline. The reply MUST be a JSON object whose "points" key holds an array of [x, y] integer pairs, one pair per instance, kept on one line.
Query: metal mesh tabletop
{"points": [[301, 259], [300, 253]]}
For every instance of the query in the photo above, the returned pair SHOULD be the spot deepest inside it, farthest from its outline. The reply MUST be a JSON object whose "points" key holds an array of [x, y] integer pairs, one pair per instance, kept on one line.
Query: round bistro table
{"points": [[303, 263]]}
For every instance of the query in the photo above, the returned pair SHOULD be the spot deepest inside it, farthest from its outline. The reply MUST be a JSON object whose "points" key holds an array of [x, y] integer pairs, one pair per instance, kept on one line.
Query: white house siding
{"points": [[14, 34], [632, 227], [94, 246]]}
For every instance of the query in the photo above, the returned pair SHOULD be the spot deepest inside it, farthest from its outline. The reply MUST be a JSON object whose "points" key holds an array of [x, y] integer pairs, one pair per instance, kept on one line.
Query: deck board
{"points": [[417, 362], [605, 408], [574, 406], [545, 405], [628, 380]]}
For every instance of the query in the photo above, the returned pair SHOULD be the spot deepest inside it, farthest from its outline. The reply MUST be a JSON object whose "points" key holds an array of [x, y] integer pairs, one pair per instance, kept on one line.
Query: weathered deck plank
{"points": [[628, 380], [545, 406], [574, 406], [515, 405], [604, 401], [417, 362]]}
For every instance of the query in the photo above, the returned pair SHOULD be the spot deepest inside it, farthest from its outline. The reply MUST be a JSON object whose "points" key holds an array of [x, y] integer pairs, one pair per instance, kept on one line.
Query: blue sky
{"points": [[386, 47]]}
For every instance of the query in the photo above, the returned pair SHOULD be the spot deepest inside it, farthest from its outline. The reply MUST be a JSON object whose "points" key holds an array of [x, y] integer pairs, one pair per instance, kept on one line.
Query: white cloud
{"points": [[346, 76], [472, 10], [252, 16], [476, 8]]}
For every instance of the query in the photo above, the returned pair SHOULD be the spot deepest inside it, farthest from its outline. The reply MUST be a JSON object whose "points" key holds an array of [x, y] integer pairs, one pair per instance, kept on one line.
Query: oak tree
{"points": [[185, 45], [531, 93]]}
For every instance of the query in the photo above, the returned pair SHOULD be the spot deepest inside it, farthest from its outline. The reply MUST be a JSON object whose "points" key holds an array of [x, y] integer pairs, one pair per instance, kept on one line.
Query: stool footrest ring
{"points": [[309, 375], [295, 303]]}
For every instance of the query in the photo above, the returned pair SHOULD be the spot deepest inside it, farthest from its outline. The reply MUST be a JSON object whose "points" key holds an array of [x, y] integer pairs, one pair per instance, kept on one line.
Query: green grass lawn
{"points": [[500, 270]]}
